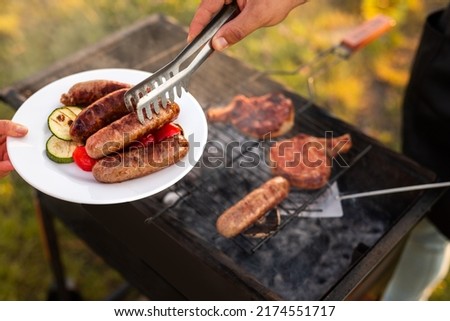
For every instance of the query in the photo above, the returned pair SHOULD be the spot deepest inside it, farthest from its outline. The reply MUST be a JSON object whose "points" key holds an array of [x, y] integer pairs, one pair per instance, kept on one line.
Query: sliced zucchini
{"points": [[60, 120], [59, 150], [76, 110]]}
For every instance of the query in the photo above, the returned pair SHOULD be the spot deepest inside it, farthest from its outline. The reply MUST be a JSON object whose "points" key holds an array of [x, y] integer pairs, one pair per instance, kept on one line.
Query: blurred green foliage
{"points": [[366, 91]]}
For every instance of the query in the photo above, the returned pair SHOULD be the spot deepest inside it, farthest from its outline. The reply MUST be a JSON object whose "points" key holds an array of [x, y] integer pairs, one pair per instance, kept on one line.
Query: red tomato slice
{"points": [[168, 130], [82, 159]]}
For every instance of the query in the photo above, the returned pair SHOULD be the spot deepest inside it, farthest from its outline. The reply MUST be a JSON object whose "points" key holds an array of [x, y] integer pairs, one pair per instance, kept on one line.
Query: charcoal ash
{"points": [[301, 262]]}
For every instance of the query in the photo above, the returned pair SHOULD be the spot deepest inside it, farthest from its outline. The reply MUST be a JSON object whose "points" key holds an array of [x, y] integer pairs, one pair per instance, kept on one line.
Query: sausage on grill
{"points": [[253, 206], [84, 93]]}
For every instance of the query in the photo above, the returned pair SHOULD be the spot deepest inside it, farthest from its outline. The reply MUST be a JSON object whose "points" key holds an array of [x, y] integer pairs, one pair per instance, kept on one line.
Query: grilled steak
{"points": [[306, 161], [257, 116]]}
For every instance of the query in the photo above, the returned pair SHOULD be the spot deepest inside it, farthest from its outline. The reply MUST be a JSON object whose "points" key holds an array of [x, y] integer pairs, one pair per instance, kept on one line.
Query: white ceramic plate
{"points": [[67, 181]]}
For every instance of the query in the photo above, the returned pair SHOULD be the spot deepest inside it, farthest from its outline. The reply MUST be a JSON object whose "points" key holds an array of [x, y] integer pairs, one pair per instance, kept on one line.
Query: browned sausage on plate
{"points": [[84, 93], [252, 207], [127, 129], [99, 114], [140, 161]]}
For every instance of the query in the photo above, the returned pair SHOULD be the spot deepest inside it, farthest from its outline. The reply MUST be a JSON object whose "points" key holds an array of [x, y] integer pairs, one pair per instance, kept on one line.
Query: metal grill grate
{"points": [[310, 254], [232, 166]]}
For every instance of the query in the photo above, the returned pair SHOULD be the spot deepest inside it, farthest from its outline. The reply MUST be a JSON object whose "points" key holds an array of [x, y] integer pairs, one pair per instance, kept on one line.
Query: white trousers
{"points": [[423, 264]]}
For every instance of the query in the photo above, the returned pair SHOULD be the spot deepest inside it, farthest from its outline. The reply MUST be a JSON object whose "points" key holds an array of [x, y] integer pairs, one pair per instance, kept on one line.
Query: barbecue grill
{"points": [[167, 246], [303, 257]]}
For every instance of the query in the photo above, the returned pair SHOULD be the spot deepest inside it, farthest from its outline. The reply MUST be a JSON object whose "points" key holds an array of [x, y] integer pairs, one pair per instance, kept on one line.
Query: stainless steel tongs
{"points": [[162, 85]]}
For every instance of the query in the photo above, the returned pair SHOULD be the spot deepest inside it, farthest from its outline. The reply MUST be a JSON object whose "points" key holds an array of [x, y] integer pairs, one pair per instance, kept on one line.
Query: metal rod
{"points": [[394, 190]]}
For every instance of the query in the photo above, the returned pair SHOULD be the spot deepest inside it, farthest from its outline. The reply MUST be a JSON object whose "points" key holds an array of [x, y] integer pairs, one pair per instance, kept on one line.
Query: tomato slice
{"points": [[168, 130], [82, 159]]}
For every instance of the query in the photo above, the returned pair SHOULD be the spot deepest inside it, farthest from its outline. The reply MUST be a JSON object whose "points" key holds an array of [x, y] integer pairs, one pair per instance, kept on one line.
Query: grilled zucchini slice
{"points": [[60, 120], [59, 150]]}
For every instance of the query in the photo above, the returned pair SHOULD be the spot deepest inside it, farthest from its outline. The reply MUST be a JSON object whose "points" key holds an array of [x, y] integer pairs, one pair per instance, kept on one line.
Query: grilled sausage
{"points": [[127, 129], [99, 114], [253, 206], [140, 161], [84, 93]]}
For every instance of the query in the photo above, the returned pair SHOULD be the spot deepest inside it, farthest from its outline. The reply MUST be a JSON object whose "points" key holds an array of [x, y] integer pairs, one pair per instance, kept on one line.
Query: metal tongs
{"points": [[162, 85]]}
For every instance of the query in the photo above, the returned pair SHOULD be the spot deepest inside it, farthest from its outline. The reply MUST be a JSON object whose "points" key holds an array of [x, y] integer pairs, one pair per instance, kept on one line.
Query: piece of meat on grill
{"points": [[272, 114], [306, 161], [252, 207]]}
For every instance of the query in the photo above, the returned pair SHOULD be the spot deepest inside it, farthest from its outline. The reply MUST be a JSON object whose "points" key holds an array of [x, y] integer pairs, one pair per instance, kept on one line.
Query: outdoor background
{"points": [[365, 90]]}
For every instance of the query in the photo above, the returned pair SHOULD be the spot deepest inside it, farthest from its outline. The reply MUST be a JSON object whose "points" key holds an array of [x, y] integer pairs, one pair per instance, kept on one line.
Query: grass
{"points": [[35, 34]]}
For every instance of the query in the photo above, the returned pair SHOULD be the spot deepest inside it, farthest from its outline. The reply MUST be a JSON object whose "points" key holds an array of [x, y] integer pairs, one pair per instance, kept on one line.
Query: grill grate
{"points": [[304, 257], [232, 166]]}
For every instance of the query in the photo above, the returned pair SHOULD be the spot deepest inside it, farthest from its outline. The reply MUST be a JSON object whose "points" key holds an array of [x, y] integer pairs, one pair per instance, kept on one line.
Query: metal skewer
{"points": [[394, 190]]}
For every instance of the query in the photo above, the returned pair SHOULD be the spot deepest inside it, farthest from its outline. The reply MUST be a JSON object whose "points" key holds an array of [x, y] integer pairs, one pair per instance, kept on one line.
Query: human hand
{"points": [[254, 14], [8, 128]]}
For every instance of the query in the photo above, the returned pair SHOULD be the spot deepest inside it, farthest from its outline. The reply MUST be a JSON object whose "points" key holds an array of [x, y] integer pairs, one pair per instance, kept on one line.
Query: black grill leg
{"points": [[52, 253]]}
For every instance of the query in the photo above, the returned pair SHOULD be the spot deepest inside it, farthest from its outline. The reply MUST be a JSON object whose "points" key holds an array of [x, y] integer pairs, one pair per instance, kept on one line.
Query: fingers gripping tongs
{"points": [[155, 91]]}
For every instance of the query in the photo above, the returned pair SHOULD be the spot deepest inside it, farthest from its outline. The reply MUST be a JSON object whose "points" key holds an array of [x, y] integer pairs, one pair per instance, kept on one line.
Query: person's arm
{"points": [[8, 128], [254, 14]]}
